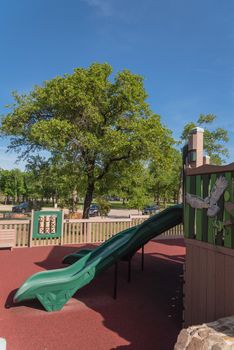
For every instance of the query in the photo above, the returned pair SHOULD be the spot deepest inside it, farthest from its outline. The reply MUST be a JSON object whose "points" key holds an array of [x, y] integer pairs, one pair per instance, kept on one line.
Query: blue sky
{"points": [[183, 48]]}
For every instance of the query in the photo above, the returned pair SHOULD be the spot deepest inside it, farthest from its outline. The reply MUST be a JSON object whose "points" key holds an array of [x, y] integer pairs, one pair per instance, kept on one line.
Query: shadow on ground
{"points": [[147, 313]]}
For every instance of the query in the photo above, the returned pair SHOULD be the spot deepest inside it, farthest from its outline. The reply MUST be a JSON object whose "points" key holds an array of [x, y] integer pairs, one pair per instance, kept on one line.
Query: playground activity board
{"points": [[47, 224]]}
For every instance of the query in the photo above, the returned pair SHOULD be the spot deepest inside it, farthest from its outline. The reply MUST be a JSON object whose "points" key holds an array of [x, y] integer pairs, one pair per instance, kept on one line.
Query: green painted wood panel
{"points": [[211, 232], [205, 186], [232, 227], [219, 240], [228, 197], [198, 212], [192, 210], [57, 215], [186, 207]]}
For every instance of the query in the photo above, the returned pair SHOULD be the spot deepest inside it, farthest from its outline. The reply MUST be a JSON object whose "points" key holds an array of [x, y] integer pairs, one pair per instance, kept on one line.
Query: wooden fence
{"points": [[80, 231], [209, 235]]}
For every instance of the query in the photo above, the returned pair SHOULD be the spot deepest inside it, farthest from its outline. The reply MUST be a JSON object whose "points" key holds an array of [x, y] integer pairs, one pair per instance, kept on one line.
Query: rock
{"points": [[218, 335], [183, 339]]}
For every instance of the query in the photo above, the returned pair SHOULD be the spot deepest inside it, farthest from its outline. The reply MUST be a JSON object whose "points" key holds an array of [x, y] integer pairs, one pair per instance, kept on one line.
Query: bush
{"points": [[103, 206]]}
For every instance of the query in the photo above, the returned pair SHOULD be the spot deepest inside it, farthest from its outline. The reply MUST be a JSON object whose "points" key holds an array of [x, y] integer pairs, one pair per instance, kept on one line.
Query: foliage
{"points": [[214, 140], [103, 206], [165, 177], [91, 122], [13, 184]]}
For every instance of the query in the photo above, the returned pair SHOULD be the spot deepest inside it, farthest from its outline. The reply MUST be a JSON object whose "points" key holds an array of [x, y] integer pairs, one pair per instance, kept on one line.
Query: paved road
{"points": [[123, 213]]}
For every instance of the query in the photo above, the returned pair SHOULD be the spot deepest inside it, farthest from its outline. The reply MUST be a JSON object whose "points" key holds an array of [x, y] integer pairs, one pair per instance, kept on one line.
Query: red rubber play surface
{"points": [[146, 315]]}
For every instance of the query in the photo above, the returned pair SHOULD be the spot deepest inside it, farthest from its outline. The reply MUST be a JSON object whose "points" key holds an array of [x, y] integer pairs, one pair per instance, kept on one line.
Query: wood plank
{"points": [[65, 233], [188, 287], [232, 227], [196, 283], [211, 233], [228, 197], [209, 169], [7, 238], [205, 193], [23, 235], [220, 234], [198, 212], [192, 210], [203, 286], [219, 286], [73, 234], [210, 296], [229, 286]]}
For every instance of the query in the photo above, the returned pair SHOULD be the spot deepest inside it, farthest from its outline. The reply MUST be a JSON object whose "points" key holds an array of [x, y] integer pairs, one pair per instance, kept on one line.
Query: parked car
{"points": [[113, 198], [25, 207], [22, 208], [150, 209], [94, 210]]}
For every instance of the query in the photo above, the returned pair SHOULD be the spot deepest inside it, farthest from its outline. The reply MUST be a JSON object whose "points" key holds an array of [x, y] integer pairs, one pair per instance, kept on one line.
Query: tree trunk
{"points": [[88, 199], [158, 199], [74, 201]]}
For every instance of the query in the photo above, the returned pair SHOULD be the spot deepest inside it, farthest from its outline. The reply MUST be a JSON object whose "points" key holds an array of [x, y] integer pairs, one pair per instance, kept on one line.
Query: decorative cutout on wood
{"points": [[210, 202]]}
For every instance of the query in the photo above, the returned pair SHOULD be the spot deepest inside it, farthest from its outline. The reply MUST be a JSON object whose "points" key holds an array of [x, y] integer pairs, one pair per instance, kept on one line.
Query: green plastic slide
{"points": [[55, 287]]}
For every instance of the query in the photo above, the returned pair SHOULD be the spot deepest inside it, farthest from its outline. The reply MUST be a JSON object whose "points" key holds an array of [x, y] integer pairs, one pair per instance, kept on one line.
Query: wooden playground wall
{"points": [[209, 282], [197, 225], [209, 266]]}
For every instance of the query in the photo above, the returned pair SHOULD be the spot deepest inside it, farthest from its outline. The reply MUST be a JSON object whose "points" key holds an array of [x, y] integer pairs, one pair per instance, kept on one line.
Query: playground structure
{"points": [[54, 288], [208, 213]]}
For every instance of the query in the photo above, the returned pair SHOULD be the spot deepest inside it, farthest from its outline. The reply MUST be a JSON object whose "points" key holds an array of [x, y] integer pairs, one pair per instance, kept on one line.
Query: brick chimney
{"points": [[195, 148]]}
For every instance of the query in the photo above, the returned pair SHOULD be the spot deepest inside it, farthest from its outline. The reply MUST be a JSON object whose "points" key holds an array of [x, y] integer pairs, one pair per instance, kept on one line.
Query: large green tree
{"points": [[165, 177], [214, 140], [91, 120]]}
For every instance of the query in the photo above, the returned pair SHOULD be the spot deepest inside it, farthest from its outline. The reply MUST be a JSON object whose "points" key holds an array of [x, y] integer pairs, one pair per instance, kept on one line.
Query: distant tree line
{"points": [[46, 181]]}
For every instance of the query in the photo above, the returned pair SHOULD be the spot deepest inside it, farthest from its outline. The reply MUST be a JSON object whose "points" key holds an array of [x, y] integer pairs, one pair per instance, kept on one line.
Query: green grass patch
{"points": [[117, 205]]}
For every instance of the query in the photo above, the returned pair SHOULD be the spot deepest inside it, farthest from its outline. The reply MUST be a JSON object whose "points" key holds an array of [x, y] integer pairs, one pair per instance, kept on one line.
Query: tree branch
{"points": [[112, 160]]}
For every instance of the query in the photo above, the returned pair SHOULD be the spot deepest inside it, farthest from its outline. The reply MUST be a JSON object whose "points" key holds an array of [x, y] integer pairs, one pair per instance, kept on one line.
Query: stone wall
{"points": [[218, 335]]}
